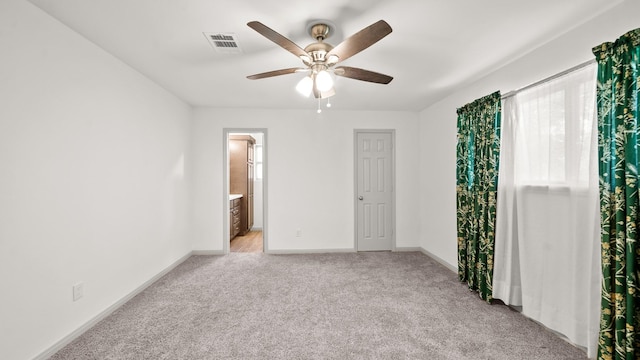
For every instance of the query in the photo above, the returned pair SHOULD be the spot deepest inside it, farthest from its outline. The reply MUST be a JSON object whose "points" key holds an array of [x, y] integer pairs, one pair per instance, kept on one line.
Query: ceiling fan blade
{"points": [[275, 73], [277, 38], [362, 74], [361, 40]]}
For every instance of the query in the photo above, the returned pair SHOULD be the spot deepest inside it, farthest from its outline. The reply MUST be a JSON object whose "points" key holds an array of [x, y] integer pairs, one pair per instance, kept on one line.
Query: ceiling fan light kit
{"points": [[321, 57], [305, 86]]}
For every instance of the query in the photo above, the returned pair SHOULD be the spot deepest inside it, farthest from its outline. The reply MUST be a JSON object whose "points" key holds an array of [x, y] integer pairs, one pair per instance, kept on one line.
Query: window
{"points": [[555, 129]]}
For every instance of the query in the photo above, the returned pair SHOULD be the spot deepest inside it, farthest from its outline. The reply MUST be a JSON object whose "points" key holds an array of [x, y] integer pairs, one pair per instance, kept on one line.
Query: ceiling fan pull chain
{"points": [[319, 109]]}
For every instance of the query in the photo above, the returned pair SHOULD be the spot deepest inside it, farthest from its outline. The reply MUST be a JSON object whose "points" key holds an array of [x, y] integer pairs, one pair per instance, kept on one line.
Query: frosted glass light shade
{"points": [[305, 86], [324, 82]]}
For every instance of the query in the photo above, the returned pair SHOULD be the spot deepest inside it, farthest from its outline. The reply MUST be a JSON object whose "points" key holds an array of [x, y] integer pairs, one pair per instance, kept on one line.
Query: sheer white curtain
{"points": [[547, 251]]}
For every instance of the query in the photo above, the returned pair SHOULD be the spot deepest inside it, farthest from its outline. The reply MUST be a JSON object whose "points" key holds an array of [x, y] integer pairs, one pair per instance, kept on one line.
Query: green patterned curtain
{"points": [[618, 130], [478, 152]]}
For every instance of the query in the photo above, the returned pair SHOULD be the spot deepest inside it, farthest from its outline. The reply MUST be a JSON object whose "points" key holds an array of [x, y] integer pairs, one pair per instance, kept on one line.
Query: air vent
{"points": [[224, 43]]}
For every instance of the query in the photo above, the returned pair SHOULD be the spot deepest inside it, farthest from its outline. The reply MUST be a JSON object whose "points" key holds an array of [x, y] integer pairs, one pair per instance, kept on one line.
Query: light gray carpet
{"points": [[376, 305]]}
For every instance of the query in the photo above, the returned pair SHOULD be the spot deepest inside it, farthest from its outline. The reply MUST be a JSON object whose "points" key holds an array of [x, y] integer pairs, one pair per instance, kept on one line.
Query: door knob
{"points": [[360, 198]]}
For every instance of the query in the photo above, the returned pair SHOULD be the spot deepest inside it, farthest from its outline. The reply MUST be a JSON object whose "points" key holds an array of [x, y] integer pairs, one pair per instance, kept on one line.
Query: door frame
{"points": [[391, 132], [226, 247]]}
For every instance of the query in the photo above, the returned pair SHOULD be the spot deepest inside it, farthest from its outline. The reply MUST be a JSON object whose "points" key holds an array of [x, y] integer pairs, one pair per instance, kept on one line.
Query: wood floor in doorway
{"points": [[250, 242]]}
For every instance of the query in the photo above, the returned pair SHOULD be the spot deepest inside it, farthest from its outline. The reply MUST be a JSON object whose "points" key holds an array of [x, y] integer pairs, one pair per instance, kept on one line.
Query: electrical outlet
{"points": [[298, 232], [78, 291]]}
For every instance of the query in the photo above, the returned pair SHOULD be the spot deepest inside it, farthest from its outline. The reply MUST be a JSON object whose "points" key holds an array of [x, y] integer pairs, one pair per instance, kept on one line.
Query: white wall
{"points": [[438, 122], [310, 175], [92, 182]]}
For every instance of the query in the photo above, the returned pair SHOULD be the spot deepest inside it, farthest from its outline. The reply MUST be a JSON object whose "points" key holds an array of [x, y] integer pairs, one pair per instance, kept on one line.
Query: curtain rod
{"points": [[552, 77]]}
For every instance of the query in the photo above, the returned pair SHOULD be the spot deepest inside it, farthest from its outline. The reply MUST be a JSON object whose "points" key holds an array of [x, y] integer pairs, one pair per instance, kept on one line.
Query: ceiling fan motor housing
{"points": [[318, 51]]}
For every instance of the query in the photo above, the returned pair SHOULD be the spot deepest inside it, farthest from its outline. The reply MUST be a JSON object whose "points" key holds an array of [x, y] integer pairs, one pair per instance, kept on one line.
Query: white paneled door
{"points": [[374, 190]]}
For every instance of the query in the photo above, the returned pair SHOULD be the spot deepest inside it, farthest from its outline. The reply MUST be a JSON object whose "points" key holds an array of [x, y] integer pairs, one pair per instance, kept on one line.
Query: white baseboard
{"points": [[102, 315], [309, 251], [407, 249], [207, 252], [439, 260]]}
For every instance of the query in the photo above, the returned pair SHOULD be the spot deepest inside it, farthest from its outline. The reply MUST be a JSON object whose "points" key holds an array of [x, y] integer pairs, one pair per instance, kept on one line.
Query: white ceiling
{"points": [[436, 47]]}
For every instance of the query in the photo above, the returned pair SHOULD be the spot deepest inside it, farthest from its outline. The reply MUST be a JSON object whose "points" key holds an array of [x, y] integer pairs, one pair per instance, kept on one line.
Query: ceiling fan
{"points": [[321, 57]]}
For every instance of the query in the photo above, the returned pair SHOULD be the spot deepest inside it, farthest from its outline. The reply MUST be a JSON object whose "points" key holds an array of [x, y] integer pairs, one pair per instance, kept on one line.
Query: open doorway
{"points": [[245, 192]]}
